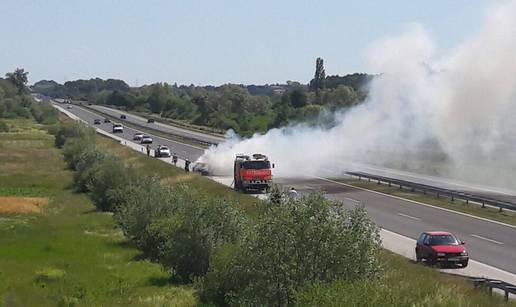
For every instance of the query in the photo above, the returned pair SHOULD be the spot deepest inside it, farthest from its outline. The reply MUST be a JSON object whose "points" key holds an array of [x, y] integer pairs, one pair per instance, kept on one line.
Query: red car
{"points": [[441, 247]]}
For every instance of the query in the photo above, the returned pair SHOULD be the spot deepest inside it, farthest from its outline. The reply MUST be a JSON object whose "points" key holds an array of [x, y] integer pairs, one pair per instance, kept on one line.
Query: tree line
{"points": [[16, 101], [232, 259], [245, 109]]}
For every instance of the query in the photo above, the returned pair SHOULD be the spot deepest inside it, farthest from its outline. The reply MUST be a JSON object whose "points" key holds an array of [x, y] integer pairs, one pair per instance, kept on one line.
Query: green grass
{"points": [[69, 254], [403, 283], [443, 202]]}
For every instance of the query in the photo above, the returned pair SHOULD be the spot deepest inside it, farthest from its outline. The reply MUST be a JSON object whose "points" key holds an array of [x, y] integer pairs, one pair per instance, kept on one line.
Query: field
{"points": [[67, 254], [70, 254]]}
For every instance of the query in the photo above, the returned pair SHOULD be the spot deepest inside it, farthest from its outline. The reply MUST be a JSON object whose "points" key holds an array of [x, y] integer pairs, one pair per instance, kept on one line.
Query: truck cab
{"points": [[252, 172]]}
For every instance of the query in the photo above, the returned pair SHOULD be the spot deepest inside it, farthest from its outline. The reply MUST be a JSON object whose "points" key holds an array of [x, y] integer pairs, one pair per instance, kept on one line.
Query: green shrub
{"points": [[294, 244], [44, 113], [86, 167], [188, 238], [74, 130], [109, 175], [4, 127], [140, 203], [73, 150]]}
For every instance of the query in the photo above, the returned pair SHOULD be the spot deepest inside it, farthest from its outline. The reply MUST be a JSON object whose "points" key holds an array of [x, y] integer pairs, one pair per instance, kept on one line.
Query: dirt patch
{"points": [[14, 204]]}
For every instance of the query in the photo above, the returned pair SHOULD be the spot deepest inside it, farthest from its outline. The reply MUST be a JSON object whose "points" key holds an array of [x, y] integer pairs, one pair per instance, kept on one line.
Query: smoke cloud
{"points": [[453, 115]]}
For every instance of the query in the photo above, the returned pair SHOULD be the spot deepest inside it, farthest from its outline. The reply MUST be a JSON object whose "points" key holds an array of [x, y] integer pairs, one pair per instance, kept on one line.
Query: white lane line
{"points": [[487, 239], [409, 216], [417, 202]]}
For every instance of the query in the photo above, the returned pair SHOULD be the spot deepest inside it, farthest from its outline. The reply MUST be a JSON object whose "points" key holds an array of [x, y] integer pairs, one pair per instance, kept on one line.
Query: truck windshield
{"points": [[257, 165]]}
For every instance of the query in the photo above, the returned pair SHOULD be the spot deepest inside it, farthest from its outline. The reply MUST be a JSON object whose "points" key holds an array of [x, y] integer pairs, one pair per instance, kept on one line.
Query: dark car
{"points": [[96, 122], [107, 120], [201, 168], [150, 120], [123, 116], [441, 247]]}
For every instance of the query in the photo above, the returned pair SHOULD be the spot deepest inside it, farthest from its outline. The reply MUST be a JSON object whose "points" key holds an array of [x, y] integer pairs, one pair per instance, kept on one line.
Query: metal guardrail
{"points": [[491, 284], [452, 194]]}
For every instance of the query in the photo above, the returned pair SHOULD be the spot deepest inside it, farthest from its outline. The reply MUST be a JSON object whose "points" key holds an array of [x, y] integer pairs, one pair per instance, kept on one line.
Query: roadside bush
{"points": [[140, 203], [74, 130], [293, 245], [4, 127], [86, 165], [188, 238], [109, 175], [74, 148], [44, 113]]}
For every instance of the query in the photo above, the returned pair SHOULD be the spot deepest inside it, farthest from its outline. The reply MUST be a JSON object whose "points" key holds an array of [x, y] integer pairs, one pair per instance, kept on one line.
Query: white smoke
{"points": [[454, 114]]}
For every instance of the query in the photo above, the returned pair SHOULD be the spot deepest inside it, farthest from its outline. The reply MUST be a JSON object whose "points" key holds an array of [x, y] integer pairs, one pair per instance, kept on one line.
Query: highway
{"points": [[134, 119], [494, 192], [488, 242]]}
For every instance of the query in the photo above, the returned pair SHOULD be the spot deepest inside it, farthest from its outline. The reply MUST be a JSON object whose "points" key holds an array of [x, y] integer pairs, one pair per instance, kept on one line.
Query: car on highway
{"points": [[201, 168], [150, 120], [441, 247], [137, 136], [146, 140], [96, 122], [107, 120], [123, 116], [162, 151], [68, 107], [117, 128]]}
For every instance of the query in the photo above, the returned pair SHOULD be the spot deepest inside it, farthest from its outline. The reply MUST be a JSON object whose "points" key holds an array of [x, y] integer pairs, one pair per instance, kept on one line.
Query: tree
{"points": [[318, 82], [298, 97], [18, 78], [295, 243]]}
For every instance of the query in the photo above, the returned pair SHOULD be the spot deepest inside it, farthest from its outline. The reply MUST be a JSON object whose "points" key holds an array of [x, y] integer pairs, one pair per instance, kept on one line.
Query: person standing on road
{"points": [[148, 150], [292, 193], [174, 159], [187, 165]]}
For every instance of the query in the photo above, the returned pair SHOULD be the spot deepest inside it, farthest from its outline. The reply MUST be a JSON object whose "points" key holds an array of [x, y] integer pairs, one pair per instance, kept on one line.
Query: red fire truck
{"points": [[252, 172]]}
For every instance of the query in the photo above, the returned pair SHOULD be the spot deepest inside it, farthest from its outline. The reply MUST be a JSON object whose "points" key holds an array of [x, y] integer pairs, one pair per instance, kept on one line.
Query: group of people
{"points": [[174, 159]]}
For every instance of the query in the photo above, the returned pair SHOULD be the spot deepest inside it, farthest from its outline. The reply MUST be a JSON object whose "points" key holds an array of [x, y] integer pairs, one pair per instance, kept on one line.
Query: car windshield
{"points": [[257, 165], [443, 240]]}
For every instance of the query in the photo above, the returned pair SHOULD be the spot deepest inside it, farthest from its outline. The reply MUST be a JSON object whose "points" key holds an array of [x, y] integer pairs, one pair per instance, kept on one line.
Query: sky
{"points": [[214, 42]]}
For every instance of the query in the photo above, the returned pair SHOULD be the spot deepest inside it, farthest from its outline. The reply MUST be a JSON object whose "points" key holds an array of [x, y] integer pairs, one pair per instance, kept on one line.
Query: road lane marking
{"points": [[409, 216], [416, 202], [487, 239]]}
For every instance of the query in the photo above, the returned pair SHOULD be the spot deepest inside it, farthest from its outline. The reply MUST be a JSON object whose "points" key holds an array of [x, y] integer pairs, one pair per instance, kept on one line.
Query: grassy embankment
{"points": [[71, 253], [443, 202], [68, 253]]}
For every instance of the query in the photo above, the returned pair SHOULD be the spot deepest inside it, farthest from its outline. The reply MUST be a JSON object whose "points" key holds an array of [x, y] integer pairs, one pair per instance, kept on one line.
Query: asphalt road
{"points": [[487, 241], [211, 139], [184, 151]]}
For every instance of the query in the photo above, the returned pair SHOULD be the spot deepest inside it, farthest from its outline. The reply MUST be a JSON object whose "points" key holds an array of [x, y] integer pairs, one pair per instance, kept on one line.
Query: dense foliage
{"points": [[245, 109], [16, 101]]}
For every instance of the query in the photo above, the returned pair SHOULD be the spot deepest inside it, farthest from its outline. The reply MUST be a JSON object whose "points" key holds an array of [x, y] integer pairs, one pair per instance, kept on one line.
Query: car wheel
{"points": [[464, 264], [418, 258]]}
